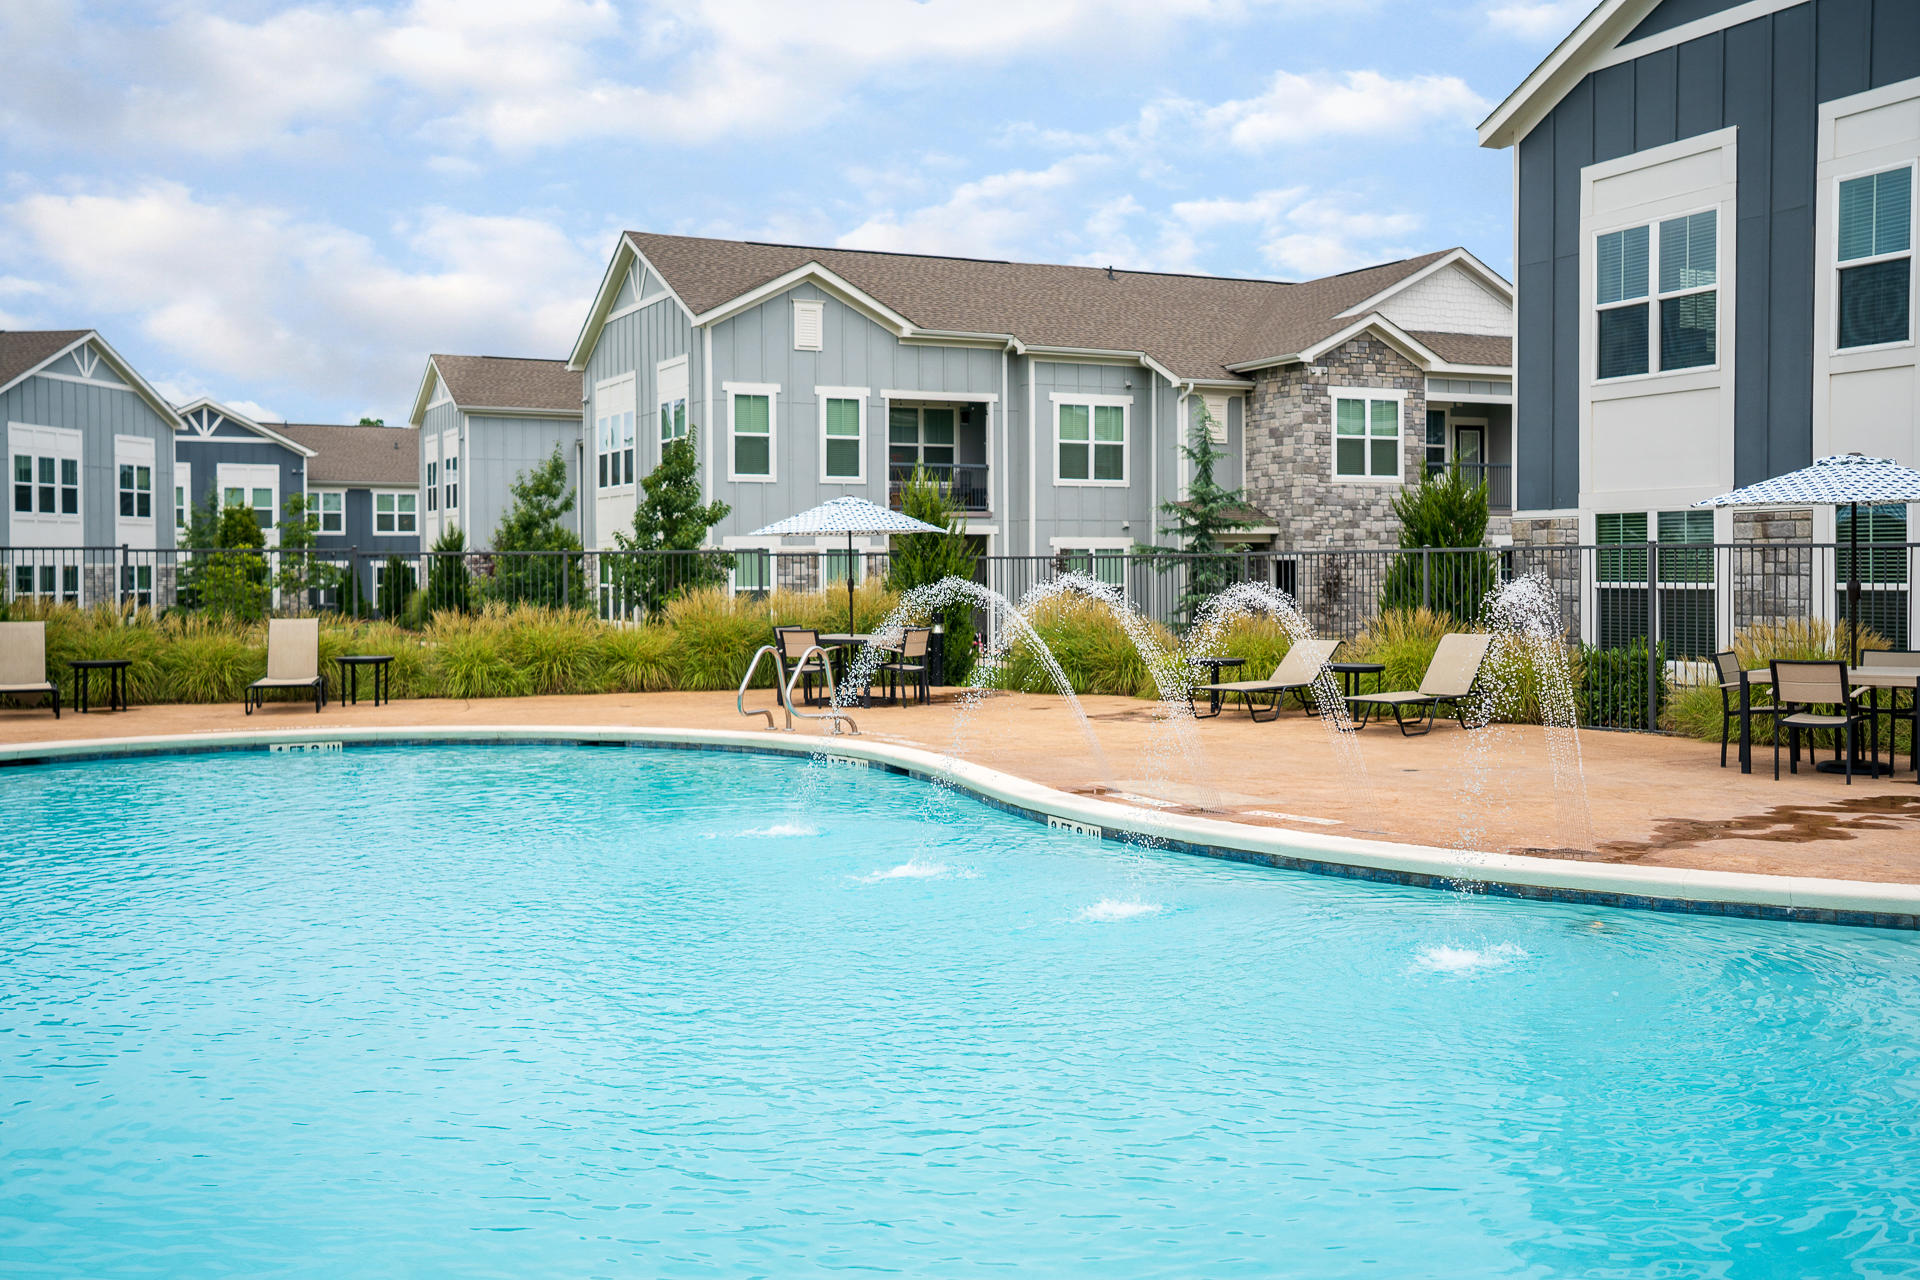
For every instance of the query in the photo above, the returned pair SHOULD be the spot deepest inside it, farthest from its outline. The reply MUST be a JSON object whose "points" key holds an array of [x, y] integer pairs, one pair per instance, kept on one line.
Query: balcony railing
{"points": [[969, 481], [1497, 476]]}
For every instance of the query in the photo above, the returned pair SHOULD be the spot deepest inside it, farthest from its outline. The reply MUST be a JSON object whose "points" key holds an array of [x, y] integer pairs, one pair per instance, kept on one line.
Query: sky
{"points": [[288, 207]]}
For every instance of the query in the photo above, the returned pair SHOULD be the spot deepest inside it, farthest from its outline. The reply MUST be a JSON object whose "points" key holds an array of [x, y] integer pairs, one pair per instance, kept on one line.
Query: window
{"points": [[1688, 296], [450, 477], [1687, 625], [259, 500], [843, 434], [920, 436], [1366, 436], [1090, 442], [840, 566], [1106, 565], [809, 324], [333, 512], [673, 419], [136, 492], [753, 571], [433, 484], [394, 513], [616, 448], [69, 487], [49, 582], [23, 482], [136, 585], [670, 396], [1883, 570], [1436, 440], [750, 415], [1875, 248], [182, 496]]}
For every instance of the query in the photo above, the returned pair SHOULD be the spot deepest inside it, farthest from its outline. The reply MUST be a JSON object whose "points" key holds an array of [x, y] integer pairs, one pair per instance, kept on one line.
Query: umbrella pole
{"points": [[1853, 581], [849, 582]]}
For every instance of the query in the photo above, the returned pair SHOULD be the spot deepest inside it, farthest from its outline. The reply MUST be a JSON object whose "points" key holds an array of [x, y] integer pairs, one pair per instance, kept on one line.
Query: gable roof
{"points": [[24, 352], [1190, 327], [264, 430], [359, 457], [509, 382]]}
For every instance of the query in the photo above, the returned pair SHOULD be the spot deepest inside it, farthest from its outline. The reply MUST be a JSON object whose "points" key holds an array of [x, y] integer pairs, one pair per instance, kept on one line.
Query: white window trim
{"points": [[860, 395], [134, 451], [449, 466], [1831, 197], [1653, 297], [1092, 545], [394, 495], [771, 390], [819, 310], [1092, 401], [600, 390], [319, 497], [737, 544], [1399, 397], [183, 485], [660, 372]]}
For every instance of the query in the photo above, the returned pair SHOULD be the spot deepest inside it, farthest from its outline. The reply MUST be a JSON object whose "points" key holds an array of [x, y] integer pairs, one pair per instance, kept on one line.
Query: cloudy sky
{"points": [[288, 207]]}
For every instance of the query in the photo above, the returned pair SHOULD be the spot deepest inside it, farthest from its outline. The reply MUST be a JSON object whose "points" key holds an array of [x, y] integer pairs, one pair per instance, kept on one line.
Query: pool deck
{"points": [[1650, 801]]}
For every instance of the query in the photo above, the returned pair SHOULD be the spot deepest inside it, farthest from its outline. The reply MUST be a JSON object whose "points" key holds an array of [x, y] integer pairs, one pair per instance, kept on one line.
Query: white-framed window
{"points": [[1366, 433], [450, 480], [613, 433], [136, 585], [395, 513], [43, 485], [670, 398], [752, 571], [809, 324], [843, 434], [257, 498], [182, 497], [136, 491], [433, 486], [1102, 559], [332, 506], [752, 424], [1653, 321], [53, 583], [1873, 248], [1090, 439]]}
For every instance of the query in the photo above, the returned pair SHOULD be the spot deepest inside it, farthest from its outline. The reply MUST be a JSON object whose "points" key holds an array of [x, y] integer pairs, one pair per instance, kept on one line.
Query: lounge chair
{"points": [[1295, 674], [1799, 687], [293, 661], [23, 662], [1450, 678]]}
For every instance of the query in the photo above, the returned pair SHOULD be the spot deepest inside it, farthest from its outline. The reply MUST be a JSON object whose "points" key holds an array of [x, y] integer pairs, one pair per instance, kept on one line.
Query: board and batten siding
{"points": [[497, 452], [636, 345], [1764, 78], [98, 413], [235, 446], [1097, 511]]}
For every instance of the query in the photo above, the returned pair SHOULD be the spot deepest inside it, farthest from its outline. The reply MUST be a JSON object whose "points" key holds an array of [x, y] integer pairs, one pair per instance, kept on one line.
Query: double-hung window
{"points": [[258, 500], [616, 448], [136, 492], [1366, 435], [450, 477], [433, 485], [1682, 303], [333, 512], [753, 571], [750, 414], [50, 486], [1875, 250], [843, 434], [1106, 565], [920, 436], [394, 513], [1090, 442]]}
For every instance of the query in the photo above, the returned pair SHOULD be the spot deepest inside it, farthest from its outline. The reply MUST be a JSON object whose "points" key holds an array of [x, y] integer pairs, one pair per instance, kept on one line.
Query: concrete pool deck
{"points": [[1653, 801]]}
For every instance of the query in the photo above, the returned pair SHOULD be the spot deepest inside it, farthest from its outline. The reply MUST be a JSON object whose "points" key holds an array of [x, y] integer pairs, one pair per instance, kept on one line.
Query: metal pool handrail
{"points": [[832, 715], [740, 698]]}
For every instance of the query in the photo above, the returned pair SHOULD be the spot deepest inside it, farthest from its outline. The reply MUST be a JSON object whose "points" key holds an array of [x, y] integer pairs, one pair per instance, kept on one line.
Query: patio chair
{"points": [[1295, 674], [1450, 679], [790, 644], [1726, 667], [1798, 688], [293, 662], [1906, 659], [911, 662], [23, 662]]}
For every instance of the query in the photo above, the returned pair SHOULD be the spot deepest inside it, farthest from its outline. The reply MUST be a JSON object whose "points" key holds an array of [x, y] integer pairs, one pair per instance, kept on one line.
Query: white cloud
{"points": [[1535, 19], [186, 388], [1000, 215], [254, 293], [1296, 109]]}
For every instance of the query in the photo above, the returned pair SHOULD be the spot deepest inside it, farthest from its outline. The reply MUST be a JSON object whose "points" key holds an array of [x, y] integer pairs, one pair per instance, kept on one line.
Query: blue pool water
{"points": [[561, 1011]]}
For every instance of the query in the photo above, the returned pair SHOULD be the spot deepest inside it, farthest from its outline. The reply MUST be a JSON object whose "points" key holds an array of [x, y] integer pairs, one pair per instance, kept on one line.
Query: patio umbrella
{"points": [[1849, 480], [848, 516]]}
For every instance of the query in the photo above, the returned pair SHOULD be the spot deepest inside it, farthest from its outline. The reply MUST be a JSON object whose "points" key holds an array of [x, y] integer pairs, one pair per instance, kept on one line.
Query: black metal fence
{"points": [[1648, 614]]}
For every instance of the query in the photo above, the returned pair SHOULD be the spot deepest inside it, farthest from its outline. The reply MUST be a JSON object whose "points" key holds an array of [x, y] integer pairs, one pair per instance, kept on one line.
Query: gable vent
{"points": [[808, 324], [1217, 410]]}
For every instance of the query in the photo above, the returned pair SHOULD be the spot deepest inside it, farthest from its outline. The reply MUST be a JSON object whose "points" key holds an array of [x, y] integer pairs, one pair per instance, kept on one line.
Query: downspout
{"points": [[1033, 467], [1006, 444], [1153, 464], [706, 379], [1180, 416]]}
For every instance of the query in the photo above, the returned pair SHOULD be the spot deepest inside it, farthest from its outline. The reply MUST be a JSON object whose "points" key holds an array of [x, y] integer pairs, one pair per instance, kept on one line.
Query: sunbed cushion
{"points": [[1392, 699], [271, 683], [1250, 686], [42, 687]]}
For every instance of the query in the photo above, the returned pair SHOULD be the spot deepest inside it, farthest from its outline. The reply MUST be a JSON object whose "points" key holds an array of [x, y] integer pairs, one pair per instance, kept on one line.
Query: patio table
{"points": [[1874, 678], [1214, 667]]}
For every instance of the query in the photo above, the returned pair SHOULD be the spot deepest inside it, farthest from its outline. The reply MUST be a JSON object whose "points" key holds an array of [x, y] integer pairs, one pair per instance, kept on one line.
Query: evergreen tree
{"points": [[301, 571], [542, 564], [919, 559], [670, 518], [235, 581], [1197, 521], [449, 585], [396, 589], [203, 531], [1446, 513]]}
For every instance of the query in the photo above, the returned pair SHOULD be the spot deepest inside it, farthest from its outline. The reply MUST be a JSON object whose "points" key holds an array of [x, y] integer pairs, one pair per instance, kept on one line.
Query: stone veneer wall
{"points": [[1549, 545], [1773, 566]]}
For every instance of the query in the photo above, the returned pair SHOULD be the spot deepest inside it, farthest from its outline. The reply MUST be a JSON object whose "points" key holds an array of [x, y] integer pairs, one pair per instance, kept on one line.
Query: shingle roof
{"points": [[509, 382], [24, 349], [377, 457], [1468, 348], [1193, 325]]}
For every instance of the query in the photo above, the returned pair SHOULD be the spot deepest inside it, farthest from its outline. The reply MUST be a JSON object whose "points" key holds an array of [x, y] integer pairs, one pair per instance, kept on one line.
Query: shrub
{"points": [[637, 659], [1613, 685], [449, 586], [1442, 511], [714, 636], [469, 660], [1094, 651], [554, 650], [921, 559]]}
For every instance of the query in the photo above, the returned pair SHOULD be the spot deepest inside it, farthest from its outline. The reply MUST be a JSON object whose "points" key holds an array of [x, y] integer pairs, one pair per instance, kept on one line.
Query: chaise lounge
{"points": [[293, 662], [1295, 674], [1450, 679], [23, 662]]}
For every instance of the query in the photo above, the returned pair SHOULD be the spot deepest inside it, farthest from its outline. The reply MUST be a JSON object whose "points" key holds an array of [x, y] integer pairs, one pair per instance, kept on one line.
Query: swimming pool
{"points": [[557, 1010]]}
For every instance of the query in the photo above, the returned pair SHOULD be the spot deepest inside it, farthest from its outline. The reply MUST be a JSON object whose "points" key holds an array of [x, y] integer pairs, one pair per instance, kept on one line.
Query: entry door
{"points": [[1468, 444]]}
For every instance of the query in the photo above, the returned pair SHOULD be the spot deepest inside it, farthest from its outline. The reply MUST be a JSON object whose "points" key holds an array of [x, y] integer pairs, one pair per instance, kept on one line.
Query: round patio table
{"points": [[1350, 673]]}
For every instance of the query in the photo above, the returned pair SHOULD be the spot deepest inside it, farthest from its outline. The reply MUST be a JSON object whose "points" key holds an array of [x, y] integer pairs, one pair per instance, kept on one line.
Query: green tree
{"points": [[203, 531], [396, 589], [919, 559], [1448, 515], [373, 422], [449, 585], [235, 581], [543, 564], [301, 571], [1198, 520], [669, 519]]}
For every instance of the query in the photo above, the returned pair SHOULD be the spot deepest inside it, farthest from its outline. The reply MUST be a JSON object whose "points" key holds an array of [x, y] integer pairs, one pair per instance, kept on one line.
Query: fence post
{"points": [[566, 601], [1653, 635], [352, 601], [1426, 577], [121, 590]]}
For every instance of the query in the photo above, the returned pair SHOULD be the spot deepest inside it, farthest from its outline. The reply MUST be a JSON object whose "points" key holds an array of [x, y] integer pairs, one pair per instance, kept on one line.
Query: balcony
{"points": [[1497, 476], [969, 481]]}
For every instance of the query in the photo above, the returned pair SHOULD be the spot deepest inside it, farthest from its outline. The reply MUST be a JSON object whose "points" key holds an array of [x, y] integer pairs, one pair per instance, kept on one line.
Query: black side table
{"points": [[1215, 666], [350, 665], [1350, 673], [116, 671]]}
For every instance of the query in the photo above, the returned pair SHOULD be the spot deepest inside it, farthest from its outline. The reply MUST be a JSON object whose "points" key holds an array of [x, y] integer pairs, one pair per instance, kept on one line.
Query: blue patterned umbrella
{"points": [[848, 516], [1848, 480]]}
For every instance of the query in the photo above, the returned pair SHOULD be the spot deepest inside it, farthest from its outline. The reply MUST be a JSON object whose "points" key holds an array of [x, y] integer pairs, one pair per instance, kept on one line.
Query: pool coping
{"points": [[1862, 903]]}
